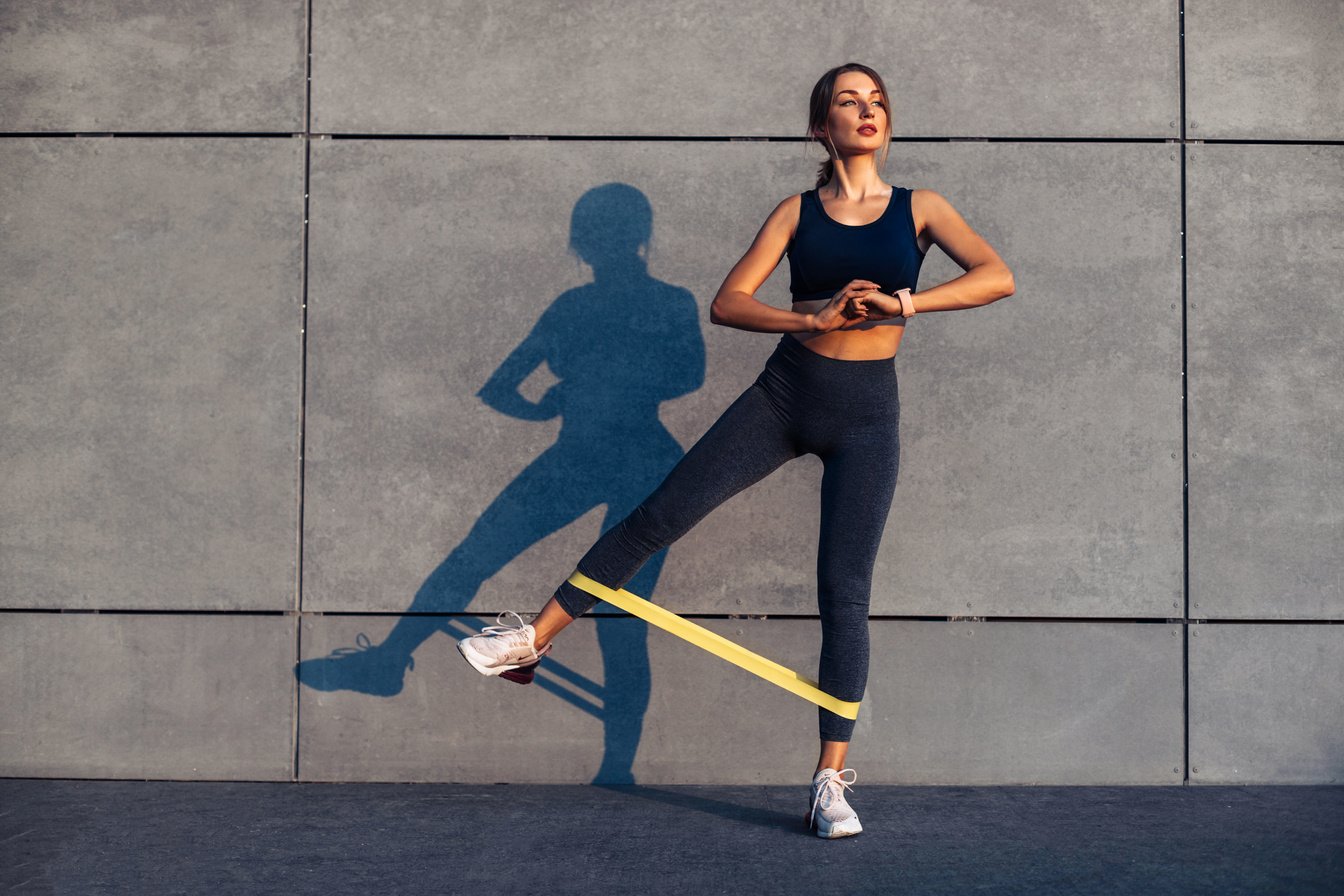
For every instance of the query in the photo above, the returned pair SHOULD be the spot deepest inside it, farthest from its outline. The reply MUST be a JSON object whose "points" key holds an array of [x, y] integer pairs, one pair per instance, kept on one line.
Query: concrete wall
{"points": [[269, 274]]}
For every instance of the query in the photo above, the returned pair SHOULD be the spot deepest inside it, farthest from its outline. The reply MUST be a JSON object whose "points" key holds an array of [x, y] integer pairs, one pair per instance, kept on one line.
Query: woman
{"points": [[855, 245]]}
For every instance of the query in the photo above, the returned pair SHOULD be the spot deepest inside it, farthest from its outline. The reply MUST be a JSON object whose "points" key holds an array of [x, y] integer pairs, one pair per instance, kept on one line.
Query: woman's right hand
{"points": [[841, 309]]}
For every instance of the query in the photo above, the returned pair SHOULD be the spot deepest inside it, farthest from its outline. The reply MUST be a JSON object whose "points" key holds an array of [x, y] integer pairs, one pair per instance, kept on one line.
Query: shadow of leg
{"points": [[545, 497]]}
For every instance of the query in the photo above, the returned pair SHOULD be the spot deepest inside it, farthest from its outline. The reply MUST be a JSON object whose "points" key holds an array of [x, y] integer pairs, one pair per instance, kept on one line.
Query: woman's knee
{"points": [[833, 727], [844, 594], [656, 523], [573, 600]]}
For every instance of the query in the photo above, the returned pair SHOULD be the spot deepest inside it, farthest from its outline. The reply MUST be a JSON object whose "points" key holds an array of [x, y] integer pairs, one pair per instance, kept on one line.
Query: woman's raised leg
{"points": [[746, 443]]}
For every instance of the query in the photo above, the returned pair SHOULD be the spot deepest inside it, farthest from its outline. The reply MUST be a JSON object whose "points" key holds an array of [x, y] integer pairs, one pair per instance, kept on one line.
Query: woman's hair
{"points": [[820, 109]]}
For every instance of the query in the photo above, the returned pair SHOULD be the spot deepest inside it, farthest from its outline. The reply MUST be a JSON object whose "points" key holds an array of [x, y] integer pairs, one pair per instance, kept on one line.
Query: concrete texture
{"points": [[513, 67], [1264, 71], [433, 295], [1265, 703], [1030, 484], [1266, 400], [458, 419], [616, 702], [189, 65], [93, 837], [1041, 436], [1024, 703], [146, 696], [447, 722], [151, 358]]}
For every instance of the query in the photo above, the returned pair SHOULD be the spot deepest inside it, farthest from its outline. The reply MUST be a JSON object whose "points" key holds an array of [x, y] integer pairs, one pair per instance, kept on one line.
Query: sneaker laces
{"points": [[831, 786], [362, 645], [513, 634], [503, 629]]}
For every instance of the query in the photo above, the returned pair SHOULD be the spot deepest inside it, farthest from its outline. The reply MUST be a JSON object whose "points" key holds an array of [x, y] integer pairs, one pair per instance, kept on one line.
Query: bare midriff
{"points": [[855, 342]]}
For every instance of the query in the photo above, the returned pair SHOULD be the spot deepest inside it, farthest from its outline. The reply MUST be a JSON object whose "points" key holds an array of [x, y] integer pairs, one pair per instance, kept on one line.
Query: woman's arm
{"points": [[736, 305], [987, 278]]}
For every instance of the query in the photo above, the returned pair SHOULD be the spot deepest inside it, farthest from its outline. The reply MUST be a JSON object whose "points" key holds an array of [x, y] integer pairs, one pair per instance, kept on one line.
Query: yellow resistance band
{"points": [[716, 644]]}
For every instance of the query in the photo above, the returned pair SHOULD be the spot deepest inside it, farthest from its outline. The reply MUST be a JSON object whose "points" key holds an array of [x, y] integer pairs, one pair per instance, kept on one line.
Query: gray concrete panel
{"points": [[1041, 436], [1023, 703], [946, 703], [192, 65], [440, 268], [365, 717], [1264, 71], [1030, 482], [1266, 705], [1266, 414], [151, 359], [650, 68], [193, 697]]}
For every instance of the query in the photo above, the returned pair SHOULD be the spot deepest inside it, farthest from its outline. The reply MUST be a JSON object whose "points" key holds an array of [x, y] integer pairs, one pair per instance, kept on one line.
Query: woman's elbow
{"points": [[717, 313], [1006, 285]]}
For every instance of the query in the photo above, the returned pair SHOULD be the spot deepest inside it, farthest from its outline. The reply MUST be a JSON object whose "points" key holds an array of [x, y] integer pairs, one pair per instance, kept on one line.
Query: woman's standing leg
{"points": [[856, 491]]}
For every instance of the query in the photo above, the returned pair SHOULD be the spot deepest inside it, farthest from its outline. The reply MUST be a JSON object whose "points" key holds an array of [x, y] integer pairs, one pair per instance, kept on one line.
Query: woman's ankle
{"points": [[833, 755], [548, 623]]}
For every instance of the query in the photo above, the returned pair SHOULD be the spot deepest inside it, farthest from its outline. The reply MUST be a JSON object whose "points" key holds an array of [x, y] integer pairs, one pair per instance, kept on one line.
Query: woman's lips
{"points": [[867, 129]]}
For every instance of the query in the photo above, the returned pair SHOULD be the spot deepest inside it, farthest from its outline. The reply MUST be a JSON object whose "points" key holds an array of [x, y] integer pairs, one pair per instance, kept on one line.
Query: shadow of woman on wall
{"points": [[619, 346]]}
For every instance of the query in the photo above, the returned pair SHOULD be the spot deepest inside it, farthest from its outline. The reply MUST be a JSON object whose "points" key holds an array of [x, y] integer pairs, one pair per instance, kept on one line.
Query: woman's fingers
{"points": [[850, 303]]}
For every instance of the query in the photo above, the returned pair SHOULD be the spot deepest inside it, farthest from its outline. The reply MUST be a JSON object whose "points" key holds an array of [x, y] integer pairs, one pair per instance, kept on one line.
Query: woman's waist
{"points": [[867, 341], [814, 372], [798, 381]]}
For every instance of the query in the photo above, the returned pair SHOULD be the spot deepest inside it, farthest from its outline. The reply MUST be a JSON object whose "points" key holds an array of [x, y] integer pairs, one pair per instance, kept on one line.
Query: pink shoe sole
{"points": [[523, 674]]}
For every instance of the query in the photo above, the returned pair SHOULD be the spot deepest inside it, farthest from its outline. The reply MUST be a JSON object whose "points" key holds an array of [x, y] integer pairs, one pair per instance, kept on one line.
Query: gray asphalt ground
{"points": [[139, 837]]}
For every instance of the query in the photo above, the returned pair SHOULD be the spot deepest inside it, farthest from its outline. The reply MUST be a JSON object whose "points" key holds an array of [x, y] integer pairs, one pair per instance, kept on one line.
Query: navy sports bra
{"points": [[824, 254]]}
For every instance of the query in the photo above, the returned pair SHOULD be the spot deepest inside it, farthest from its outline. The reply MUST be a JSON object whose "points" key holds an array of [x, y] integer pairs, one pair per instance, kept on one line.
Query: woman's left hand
{"points": [[878, 305]]}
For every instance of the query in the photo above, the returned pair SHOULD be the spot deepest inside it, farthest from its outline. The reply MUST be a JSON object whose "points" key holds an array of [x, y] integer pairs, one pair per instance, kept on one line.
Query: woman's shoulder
{"points": [[792, 206], [791, 203], [926, 197], [783, 219], [925, 204]]}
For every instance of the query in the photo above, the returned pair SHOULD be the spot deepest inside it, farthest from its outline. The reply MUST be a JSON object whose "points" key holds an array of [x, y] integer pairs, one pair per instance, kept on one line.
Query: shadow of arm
{"points": [[501, 393]]}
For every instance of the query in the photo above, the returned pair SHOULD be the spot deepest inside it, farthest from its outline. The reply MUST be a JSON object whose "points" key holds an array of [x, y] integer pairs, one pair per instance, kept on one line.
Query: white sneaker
{"points": [[830, 814], [502, 648]]}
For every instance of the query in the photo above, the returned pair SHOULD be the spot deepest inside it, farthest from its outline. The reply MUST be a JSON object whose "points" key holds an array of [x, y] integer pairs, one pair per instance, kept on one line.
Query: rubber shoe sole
{"points": [[523, 674], [847, 828]]}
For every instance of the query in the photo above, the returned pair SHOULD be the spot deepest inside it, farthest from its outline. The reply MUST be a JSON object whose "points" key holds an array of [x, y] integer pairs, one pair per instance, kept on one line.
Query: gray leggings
{"points": [[845, 412]]}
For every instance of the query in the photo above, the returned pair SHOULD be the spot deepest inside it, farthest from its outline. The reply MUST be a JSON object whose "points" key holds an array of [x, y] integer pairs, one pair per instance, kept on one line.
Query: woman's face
{"points": [[857, 121]]}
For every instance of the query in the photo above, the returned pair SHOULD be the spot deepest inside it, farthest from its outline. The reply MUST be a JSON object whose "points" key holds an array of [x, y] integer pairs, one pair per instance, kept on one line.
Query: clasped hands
{"points": [[859, 301]]}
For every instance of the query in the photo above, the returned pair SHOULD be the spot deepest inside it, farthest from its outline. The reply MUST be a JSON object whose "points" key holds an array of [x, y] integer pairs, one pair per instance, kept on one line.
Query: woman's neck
{"points": [[855, 178]]}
